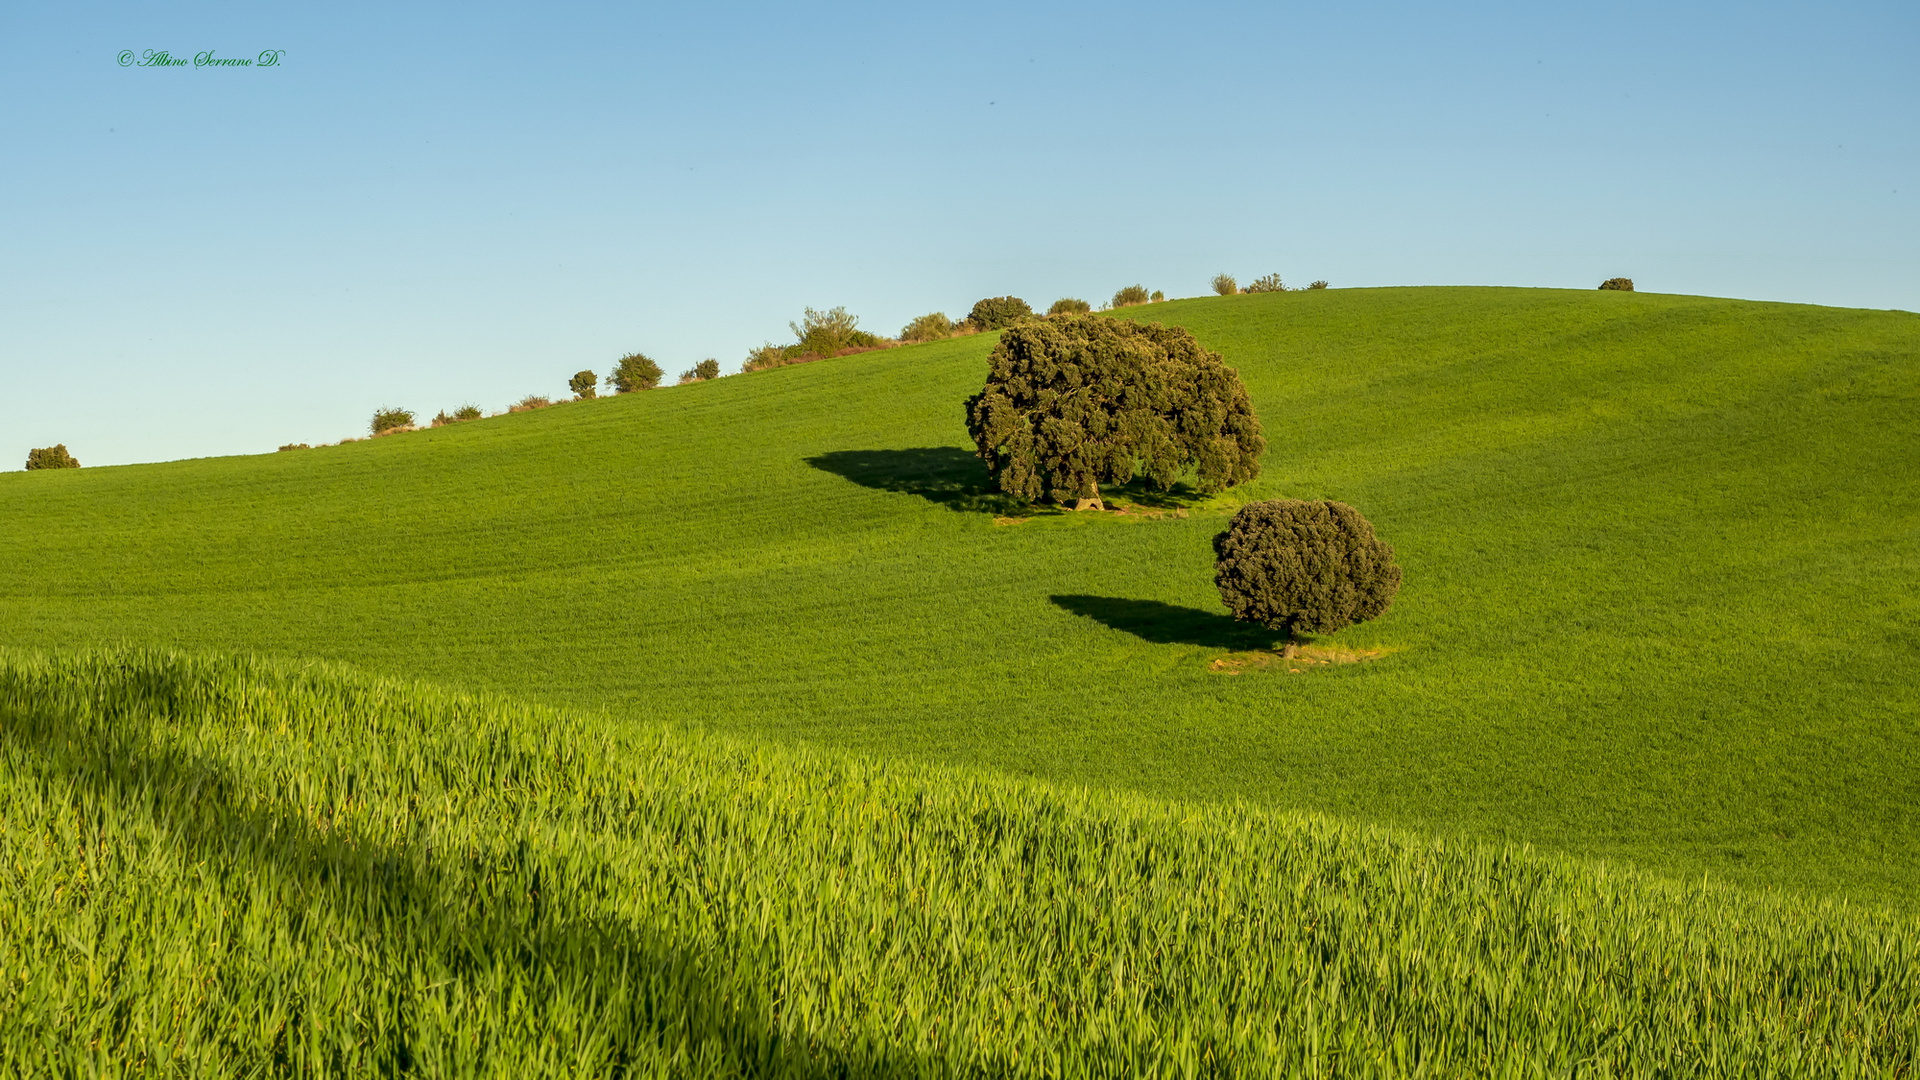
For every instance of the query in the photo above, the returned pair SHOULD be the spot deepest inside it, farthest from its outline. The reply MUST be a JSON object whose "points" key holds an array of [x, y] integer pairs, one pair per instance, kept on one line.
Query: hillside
{"points": [[1659, 554], [228, 867]]}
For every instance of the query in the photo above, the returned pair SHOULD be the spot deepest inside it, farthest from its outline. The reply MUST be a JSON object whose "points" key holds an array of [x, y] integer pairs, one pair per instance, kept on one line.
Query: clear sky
{"points": [[425, 206]]}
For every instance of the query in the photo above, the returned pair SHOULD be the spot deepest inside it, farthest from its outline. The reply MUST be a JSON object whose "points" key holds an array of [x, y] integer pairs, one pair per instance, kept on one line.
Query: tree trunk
{"points": [[1286, 653], [1093, 503]]}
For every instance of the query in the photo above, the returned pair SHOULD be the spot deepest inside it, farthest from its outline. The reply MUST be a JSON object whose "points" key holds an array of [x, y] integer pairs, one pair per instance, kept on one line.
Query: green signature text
{"points": [[162, 58]]}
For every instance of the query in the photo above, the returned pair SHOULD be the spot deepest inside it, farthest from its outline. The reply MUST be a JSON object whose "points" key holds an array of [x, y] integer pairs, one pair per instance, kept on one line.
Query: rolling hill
{"points": [[1659, 555]]}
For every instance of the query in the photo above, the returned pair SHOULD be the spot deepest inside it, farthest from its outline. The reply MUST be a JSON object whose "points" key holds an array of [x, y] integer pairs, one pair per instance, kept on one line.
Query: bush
{"points": [[1131, 295], [52, 457], [707, 369], [635, 371], [387, 419], [530, 402], [459, 415], [1267, 283], [999, 312], [1316, 285], [1618, 284], [582, 384], [1157, 296], [1074, 401], [930, 327], [1066, 305], [1224, 284], [764, 357], [829, 333], [1296, 565], [296, 446]]}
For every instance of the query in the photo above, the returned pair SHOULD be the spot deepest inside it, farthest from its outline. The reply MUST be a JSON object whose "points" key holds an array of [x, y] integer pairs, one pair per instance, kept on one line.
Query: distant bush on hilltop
{"points": [[999, 312], [388, 420], [530, 402], [701, 372], [1618, 284], [635, 371], [1131, 295], [1267, 283], [1069, 306], [1224, 284], [1317, 285], [459, 415], [819, 334], [584, 385], [932, 326], [52, 457]]}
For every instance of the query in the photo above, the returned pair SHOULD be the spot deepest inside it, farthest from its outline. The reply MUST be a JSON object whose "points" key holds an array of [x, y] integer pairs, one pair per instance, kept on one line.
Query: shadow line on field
{"points": [[947, 475], [1167, 624]]}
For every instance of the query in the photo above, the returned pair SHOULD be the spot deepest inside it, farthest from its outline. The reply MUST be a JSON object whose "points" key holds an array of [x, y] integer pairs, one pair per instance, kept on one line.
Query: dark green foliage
{"points": [[1303, 565], [1067, 305], [820, 334], [387, 419], [635, 371], [829, 333], [701, 372], [52, 457], [1316, 285], [1225, 285], [296, 446], [1267, 283], [1076, 400], [999, 312], [582, 384], [1131, 295], [1618, 284], [1157, 296], [930, 327], [459, 415]]}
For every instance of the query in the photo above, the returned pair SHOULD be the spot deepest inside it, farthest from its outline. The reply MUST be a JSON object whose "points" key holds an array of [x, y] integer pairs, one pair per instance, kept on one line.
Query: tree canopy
{"points": [[1296, 564], [1075, 401]]}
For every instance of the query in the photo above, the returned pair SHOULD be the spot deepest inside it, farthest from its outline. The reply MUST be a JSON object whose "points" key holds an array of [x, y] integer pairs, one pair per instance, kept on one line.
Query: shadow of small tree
{"points": [[1168, 624], [959, 480]]}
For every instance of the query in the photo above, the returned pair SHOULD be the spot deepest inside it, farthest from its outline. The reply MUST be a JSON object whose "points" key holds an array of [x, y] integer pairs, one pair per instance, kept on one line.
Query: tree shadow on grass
{"points": [[957, 479], [1166, 624], [947, 475]]}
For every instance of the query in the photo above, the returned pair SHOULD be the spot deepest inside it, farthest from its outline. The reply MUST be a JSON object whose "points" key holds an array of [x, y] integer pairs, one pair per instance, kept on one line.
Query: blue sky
{"points": [[430, 205]]}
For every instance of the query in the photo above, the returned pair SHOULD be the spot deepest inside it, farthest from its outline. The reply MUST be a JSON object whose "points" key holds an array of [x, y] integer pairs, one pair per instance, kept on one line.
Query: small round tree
{"points": [[52, 457], [387, 419], [1131, 295], [1075, 401], [932, 326], [999, 312], [635, 371], [1617, 284], [1295, 565], [582, 384]]}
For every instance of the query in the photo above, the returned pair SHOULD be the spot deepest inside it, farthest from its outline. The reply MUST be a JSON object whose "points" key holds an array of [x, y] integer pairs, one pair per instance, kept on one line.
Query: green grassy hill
{"points": [[1659, 556], [234, 868]]}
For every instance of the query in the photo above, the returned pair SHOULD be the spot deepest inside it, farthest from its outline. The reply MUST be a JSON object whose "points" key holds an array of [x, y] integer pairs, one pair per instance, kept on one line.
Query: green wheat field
{"points": [[740, 729]]}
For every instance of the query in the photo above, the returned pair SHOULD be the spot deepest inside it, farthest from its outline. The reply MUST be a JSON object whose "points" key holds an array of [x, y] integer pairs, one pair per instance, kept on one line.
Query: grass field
{"points": [[229, 867], [1659, 557]]}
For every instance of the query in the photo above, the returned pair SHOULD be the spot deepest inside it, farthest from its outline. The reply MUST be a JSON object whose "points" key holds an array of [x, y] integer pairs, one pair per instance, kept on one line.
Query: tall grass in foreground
{"points": [[225, 866]]}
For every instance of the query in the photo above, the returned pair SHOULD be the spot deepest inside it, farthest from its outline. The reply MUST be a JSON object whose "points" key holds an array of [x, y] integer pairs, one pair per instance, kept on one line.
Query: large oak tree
{"points": [[1075, 401]]}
